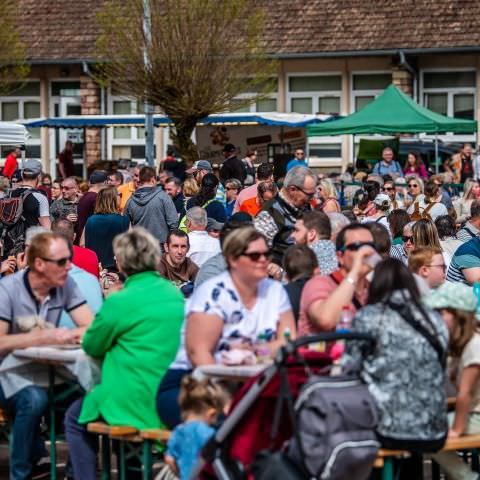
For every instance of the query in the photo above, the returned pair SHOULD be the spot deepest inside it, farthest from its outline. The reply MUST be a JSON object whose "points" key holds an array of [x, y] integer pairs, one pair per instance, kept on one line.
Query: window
{"points": [[450, 93], [314, 93], [125, 142], [268, 104], [65, 89], [366, 87]]}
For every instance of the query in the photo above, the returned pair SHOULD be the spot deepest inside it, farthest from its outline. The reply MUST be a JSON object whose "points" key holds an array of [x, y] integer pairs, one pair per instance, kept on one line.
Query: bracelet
{"points": [[351, 281]]}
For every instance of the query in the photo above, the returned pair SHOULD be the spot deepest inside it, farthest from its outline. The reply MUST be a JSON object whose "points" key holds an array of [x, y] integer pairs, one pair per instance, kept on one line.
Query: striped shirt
{"points": [[467, 232], [466, 256]]}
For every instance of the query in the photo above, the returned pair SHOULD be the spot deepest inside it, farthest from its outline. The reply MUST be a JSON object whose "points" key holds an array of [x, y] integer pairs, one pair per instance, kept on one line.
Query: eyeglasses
{"points": [[355, 246], [443, 267], [412, 185], [406, 239], [255, 256], [231, 188], [388, 189], [61, 262], [307, 194], [64, 187]]}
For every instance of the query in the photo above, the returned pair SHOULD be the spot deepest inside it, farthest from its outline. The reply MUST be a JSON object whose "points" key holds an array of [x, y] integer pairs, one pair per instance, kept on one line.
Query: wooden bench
{"points": [[385, 457]]}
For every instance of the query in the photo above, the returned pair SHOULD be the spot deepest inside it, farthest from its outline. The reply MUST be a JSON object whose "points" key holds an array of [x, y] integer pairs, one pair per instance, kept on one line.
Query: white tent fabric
{"points": [[12, 134]]}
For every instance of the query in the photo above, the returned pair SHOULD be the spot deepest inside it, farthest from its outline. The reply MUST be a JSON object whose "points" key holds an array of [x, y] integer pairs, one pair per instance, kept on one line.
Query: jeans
{"points": [[167, 397], [27, 406], [450, 462]]}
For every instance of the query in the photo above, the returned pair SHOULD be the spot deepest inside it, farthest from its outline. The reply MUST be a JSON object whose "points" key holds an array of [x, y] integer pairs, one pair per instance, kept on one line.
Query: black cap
{"points": [[98, 176], [241, 217], [229, 147]]}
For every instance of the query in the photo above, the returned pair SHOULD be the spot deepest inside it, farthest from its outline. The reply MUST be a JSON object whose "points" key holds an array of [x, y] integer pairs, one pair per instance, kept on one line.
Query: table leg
{"points": [[53, 435], [387, 470], [106, 454], [147, 460]]}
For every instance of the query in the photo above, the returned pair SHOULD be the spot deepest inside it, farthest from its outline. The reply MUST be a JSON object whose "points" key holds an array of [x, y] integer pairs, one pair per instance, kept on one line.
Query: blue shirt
{"points": [[466, 256], [382, 168], [89, 288], [100, 230], [185, 444], [296, 163]]}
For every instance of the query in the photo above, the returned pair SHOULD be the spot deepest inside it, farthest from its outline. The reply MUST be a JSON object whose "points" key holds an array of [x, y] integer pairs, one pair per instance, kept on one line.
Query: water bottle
{"points": [[346, 317], [262, 350], [476, 291]]}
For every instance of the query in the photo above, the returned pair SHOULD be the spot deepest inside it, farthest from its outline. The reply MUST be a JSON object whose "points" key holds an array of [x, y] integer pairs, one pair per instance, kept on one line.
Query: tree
{"points": [[200, 56], [13, 66]]}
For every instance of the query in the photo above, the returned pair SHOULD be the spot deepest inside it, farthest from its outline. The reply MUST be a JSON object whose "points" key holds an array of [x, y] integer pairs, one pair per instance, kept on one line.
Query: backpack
{"points": [[335, 435], [12, 224], [417, 215], [182, 225]]}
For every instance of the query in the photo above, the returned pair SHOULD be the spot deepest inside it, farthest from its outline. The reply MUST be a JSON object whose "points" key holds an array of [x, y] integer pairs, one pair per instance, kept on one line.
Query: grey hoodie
{"points": [[153, 209]]}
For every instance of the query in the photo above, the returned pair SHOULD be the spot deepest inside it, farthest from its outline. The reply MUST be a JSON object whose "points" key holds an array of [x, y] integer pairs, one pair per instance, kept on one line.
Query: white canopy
{"points": [[12, 134]]}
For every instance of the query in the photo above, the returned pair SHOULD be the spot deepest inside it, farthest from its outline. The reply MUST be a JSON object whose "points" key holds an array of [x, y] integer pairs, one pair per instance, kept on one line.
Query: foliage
{"points": [[13, 66], [201, 55]]}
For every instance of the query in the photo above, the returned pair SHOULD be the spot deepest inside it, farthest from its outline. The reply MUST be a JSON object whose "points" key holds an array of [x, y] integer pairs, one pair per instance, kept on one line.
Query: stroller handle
{"points": [[291, 347]]}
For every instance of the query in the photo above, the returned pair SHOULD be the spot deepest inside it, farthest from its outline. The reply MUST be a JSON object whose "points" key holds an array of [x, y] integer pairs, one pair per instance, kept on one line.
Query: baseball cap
{"points": [[33, 167], [213, 225], [382, 200], [98, 176], [229, 147], [200, 165], [453, 295], [241, 217]]}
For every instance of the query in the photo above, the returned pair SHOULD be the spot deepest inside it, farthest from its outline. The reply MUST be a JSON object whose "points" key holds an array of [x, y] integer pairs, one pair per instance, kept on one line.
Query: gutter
{"points": [[375, 53], [404, 64]]}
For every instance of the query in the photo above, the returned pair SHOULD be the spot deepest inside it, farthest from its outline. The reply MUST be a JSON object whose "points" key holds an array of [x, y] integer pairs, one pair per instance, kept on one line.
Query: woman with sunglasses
{"points": [[401, 251], [328, 196], [240, 312], [414, 188]]}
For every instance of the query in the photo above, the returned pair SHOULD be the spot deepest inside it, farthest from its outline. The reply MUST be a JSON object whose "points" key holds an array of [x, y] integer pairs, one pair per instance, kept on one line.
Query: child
{"points": [[457, 305], [201, 401]]}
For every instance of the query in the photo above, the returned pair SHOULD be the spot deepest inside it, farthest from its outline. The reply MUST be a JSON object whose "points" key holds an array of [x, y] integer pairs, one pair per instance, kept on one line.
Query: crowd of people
{"points": [[160, 272]]}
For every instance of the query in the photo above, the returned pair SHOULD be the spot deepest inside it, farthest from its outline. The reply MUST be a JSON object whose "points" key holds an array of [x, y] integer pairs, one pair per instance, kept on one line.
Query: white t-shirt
{"points": [[218, 296], [202, 247], [471, 356]]}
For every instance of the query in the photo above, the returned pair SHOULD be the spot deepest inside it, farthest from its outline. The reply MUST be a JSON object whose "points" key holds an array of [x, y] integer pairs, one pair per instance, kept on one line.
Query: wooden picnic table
{"points": [[239, 373]]}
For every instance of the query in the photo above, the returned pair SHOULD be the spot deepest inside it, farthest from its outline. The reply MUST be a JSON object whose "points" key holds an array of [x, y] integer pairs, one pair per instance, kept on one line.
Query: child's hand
{"points": [[170, 461]]}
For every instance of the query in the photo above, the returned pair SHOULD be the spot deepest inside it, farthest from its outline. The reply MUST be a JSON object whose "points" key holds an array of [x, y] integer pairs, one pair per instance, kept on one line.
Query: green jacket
{"points": [[137, 332]]}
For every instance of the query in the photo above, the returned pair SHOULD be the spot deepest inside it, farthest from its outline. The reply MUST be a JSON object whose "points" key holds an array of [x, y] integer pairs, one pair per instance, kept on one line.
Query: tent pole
{"points": [[436, 154]]}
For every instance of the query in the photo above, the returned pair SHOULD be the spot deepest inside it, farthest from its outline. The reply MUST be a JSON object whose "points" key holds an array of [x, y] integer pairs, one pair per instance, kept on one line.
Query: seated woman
{"points": [[232, 310], [137, 333], [405, 371]]}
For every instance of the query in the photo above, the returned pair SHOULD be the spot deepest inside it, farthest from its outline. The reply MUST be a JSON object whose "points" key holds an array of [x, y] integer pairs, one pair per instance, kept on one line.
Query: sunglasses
{"points": [[406, 239], [255, 256], [307, 194], [412, 185], [61, 262], [231, 188], [355, 246], [388, 189]]}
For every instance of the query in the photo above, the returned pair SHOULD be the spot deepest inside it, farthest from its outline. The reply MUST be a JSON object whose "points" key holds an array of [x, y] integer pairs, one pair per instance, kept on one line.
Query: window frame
{"points": [[375, 92]]}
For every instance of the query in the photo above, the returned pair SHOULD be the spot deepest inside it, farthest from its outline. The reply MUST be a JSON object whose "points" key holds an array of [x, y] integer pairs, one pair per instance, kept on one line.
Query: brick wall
{"points": [[403, 80], [90, 98]]}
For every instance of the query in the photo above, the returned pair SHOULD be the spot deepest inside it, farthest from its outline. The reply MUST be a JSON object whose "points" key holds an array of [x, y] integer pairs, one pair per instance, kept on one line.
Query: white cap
{"points": [[382, 200]]}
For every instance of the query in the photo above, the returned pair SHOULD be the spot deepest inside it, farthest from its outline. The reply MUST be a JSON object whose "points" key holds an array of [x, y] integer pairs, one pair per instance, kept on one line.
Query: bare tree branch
{"points": [[202, 54]]}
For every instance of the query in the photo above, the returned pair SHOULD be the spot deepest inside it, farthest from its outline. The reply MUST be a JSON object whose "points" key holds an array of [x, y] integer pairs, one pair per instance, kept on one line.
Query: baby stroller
{"points": [[261, 417]]}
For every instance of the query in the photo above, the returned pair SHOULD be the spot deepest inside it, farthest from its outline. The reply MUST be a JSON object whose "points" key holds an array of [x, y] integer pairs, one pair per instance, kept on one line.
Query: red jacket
{"points": [[11, 165]]}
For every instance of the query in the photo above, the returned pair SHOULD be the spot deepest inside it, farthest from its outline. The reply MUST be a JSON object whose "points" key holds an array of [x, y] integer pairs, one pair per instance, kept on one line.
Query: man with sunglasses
{"points": [[325, 296], [278, 216], [44, 289], [390, 190], [66, 206]]}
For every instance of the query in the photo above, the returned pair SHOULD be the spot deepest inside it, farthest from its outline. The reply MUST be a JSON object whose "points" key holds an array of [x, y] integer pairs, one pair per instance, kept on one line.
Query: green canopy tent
{"points": [[394, 112]]}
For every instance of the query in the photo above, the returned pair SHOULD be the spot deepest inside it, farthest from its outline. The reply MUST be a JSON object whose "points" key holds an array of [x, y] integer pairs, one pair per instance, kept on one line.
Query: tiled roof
{"points": [[65, 29]]}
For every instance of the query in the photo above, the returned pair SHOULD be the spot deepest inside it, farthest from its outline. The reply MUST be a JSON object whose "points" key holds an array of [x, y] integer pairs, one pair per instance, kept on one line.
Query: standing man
{"points": [[11, 163], [43, 289], [387, 165], [278, 216], [232, 166], [86, 205], [65, 161], [151, 208], [35, 209], [298, 160], [264, 174], [461, 164], [66, 206], [199, 169], [173, 188], [175, 265], [126, 190], [115, 179]]}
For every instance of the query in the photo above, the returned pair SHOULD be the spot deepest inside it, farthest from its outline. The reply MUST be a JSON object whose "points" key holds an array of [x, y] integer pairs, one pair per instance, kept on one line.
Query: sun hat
{"points": [[453, 295]]}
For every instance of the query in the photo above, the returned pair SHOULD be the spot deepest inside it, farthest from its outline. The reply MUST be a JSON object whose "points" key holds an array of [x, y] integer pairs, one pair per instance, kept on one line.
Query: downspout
{"points": [[404, 64]]}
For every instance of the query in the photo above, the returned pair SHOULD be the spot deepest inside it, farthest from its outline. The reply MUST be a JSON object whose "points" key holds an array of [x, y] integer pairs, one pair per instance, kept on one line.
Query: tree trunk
{"points": [[181, 135]]}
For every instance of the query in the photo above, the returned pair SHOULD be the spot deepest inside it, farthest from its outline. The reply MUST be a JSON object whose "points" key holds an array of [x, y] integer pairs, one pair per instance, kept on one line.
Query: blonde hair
{"points": [[468, 189], [136, 251], [190, 187], [425, 234], [197, 396], [107, 201], [329, 188], [417, 179]]}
